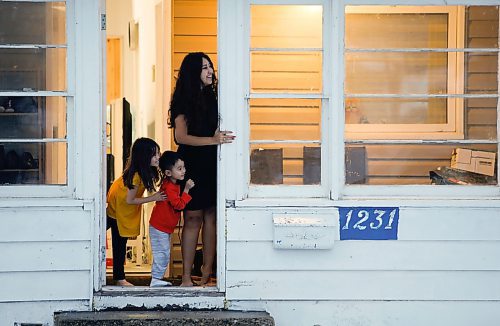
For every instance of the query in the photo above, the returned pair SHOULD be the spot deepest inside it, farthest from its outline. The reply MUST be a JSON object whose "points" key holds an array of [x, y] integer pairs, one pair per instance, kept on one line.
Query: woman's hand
{"points": [[223, 137], [159, 196]]}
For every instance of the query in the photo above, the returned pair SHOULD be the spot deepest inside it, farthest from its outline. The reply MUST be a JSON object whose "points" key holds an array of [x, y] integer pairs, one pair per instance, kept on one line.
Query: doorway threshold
{"points": [[168, 298]]}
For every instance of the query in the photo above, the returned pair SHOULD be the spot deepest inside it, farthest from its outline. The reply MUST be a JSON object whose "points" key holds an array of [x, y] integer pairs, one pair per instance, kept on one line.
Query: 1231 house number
{"points": [[369, 223]]}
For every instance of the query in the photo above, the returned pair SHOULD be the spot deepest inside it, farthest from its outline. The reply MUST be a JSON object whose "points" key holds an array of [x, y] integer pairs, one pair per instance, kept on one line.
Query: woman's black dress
{"points": [[201, 163]]}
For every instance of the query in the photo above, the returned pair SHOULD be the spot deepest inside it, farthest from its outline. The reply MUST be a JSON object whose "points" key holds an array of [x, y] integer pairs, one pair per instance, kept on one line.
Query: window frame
{"points": [[453, 129], [47, 190], [333, 187], [269, 191]]}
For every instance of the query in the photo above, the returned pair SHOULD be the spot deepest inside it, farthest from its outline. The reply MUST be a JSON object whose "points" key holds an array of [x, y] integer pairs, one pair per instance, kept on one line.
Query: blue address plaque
{"points": [[369, 223]]}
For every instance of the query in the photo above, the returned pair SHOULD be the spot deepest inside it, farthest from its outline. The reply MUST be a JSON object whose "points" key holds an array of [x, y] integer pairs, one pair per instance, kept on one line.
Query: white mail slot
{"points": [[305, 231]]}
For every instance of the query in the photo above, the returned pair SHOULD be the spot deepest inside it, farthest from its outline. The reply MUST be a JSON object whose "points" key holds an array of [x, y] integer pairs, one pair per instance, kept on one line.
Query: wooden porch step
{"points": [[164, 318]]}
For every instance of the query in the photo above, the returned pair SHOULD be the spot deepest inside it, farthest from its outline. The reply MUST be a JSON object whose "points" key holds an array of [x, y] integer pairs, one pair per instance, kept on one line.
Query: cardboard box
{"points": [[473, 161]]}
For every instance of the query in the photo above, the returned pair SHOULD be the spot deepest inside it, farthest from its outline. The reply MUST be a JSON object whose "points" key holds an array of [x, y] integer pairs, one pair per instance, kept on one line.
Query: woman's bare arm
{"points": [[182, 136], [132, 200]]}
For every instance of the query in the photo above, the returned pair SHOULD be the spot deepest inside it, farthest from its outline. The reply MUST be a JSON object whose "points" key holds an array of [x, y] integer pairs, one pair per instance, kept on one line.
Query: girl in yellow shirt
{"points": [[125, 197]]}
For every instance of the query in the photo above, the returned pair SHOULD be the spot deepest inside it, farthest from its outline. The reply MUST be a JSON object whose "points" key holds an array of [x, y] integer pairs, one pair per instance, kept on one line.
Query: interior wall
{"points": [[144, 14], [118, 15]]}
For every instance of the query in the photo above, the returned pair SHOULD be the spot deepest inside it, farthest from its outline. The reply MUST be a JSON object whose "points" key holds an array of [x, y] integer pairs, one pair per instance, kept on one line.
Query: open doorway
{"points": [[146, 45]]}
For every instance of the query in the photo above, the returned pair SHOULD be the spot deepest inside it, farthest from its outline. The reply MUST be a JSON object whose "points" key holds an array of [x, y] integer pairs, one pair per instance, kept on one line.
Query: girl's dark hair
{"points": [[167, 162], [191, 98], [139, 161]]}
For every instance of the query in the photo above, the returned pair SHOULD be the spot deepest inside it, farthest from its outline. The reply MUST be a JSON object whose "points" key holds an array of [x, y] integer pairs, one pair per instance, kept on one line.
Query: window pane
{"points": [[285, 119], [33, 69], [482, 27], [396, 30], [285, 26], [404, 164], [396, 73], [32, 117], [295, 72], [290, 164], [412, 52], [481, 73], [481, 118], [395, 111], [32, 22], [33, 163]]}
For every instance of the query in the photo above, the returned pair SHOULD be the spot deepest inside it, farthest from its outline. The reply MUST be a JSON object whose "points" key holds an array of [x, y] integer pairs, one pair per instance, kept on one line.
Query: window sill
{"points": [[256, 203]]}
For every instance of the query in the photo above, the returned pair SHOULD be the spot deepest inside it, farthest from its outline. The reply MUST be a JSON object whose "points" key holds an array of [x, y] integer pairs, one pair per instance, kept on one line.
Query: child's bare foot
{"points": [[123, 282]]}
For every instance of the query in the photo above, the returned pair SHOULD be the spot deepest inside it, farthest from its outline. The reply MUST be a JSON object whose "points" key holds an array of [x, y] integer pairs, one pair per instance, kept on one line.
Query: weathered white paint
{"points": [[169, 298], [377, 313], [46, 224], [45, 285], [304, 231], [443, 270], [363, 285], [368, 256], [414, 224], [41, 312], [49, 233], [36, 256]]}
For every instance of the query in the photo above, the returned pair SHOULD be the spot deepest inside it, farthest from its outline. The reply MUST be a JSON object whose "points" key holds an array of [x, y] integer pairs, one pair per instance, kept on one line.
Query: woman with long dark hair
{"points": [[194, 115]]}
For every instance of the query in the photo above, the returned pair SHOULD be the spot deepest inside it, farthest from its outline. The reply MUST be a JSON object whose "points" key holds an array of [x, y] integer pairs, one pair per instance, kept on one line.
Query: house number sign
{"points": [[369, 223]]}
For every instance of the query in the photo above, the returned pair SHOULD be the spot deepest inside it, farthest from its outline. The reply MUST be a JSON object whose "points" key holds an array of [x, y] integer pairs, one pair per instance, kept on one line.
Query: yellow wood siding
{"points": [[194, 30], [481, 72]]}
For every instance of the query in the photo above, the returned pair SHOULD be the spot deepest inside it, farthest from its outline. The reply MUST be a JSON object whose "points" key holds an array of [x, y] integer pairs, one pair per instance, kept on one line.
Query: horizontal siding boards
{"points": [[286, 62], [46, 256], [483, 28], [195, 26], [195, 8], [481, 116], [482, 63], [194, 30], [45, 286], [483, 42], [480, 13], [30, 224], [403, 168], [39, 312], [482, 82], [400, 180], [482, 132], [363, 285], [285, 72], [286, 82], [284, 132], [482, 103], [401, 164], [375, 313], [285, 116], [368, 256], [415, 224], [286, 119], [195, 43], [179, 56], [481, 72]]}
